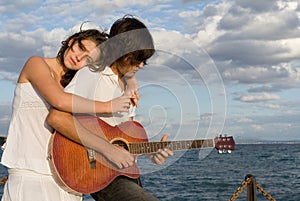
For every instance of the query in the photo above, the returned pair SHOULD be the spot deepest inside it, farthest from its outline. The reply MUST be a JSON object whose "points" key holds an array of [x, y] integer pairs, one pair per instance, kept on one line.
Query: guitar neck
{"points": [[151, 147]]}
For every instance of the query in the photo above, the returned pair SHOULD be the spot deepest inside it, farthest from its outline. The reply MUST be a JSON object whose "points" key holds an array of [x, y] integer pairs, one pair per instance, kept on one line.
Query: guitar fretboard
{"points": [[151, 147]]}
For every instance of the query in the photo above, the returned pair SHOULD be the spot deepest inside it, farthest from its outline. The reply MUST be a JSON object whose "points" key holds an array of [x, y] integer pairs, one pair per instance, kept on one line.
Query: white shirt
{"points": [[101, 86]]}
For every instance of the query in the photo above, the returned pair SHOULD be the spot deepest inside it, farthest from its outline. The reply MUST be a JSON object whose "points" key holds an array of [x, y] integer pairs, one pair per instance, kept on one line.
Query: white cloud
{"points": [[269, 74], [252, 37], [190, 14], [272, 106], [8, 76], [8, 6], [291, 5], [259, 97], [257, 127], [244, 120], [52, 41], [117, 4]]}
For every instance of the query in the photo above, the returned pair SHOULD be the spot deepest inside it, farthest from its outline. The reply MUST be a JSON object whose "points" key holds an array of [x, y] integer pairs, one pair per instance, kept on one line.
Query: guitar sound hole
{"points": [[120, 143]]}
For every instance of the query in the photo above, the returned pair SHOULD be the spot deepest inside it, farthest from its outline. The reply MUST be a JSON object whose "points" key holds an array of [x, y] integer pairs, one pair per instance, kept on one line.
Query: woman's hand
{"points": [[132, 90], [134, 96], [120, 104]]}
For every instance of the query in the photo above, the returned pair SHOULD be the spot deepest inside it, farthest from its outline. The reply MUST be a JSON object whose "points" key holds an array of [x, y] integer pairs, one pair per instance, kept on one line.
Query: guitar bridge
{"points": [[92, 158]]}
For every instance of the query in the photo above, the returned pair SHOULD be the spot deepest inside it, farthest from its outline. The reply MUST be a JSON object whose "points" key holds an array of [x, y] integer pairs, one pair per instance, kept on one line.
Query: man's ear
{"points": [[127, 59]]}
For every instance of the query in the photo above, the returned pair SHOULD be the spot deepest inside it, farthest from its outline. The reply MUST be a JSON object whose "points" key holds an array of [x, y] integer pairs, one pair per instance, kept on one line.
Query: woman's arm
{"points": [[70, 127], [37, 71]]}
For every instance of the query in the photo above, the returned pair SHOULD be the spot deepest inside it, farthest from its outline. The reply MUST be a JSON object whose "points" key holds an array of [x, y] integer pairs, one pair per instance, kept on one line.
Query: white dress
{"points": [[25, 151]]}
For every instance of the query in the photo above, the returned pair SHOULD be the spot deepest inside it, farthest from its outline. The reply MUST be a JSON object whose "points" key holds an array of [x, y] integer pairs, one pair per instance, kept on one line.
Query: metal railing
{"points": [[252, 186]]}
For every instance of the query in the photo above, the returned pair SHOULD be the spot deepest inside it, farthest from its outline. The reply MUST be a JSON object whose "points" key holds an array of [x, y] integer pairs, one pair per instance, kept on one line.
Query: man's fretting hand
{"points": [[162, 154]]}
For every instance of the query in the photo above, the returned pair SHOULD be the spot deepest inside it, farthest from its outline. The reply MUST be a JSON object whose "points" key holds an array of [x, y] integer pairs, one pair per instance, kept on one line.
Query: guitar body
{"points": [[69, 160]]}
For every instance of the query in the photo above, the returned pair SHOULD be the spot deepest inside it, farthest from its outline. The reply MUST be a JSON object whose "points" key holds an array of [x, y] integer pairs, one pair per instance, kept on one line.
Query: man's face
{"points": [[130, 70]]}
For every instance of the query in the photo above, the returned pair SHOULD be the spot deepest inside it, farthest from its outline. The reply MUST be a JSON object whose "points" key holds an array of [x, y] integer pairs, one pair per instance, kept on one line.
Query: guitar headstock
{"points": [[224, 144]]}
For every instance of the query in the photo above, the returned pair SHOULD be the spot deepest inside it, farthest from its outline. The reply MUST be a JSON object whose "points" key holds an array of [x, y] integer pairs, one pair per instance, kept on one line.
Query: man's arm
{"points": [[70, 127]]}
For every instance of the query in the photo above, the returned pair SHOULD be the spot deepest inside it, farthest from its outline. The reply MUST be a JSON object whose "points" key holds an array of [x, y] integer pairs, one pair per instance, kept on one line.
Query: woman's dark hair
{"points": [[91, 34], [128, 38]]}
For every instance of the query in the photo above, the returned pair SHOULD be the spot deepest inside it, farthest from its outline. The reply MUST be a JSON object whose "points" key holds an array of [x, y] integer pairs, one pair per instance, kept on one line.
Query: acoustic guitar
{"points": [[76, 173]]}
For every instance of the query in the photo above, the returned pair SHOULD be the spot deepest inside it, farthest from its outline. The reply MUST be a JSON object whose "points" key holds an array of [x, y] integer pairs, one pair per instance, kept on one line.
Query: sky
{"points": [[220, 67]]}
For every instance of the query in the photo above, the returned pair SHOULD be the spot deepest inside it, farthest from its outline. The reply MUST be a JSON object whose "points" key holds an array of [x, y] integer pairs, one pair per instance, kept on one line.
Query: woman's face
{"points": [[78, 55]]}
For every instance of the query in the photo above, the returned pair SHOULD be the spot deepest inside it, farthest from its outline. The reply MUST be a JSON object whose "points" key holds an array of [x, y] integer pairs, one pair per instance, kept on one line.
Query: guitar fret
{"points": [[151, 147]]}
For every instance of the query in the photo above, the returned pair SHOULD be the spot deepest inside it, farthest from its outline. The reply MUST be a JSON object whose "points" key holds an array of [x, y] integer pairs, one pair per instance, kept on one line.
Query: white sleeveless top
{"points": [[28, 134]]}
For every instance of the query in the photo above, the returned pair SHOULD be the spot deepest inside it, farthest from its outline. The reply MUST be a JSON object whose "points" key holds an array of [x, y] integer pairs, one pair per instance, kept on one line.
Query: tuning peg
{"points": [[223, 151]]}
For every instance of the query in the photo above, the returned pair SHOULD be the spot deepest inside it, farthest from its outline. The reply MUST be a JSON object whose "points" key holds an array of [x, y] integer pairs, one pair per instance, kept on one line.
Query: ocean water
{"points": [[207, 176]]}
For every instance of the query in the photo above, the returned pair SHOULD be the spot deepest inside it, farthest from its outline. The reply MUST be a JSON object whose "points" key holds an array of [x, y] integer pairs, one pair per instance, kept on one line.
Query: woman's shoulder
{"points": [[30, 67], [34, 59], [36, 62]]}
